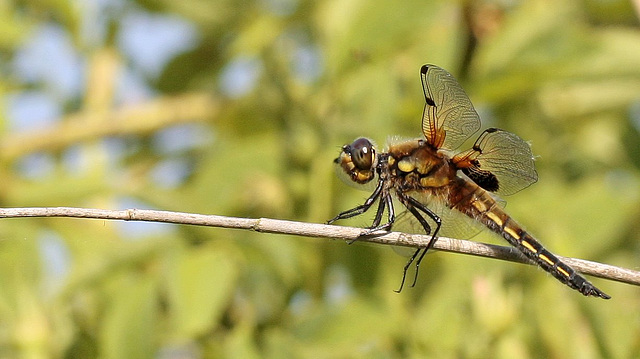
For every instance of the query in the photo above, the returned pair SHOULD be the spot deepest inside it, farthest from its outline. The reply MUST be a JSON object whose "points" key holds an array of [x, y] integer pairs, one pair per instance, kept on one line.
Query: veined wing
{"points": [[449, 117], [499, 162], [454, 223]]}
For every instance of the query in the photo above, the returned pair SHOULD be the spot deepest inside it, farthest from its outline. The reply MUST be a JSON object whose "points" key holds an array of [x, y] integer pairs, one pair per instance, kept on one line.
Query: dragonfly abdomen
{"points": [[480, 205]]}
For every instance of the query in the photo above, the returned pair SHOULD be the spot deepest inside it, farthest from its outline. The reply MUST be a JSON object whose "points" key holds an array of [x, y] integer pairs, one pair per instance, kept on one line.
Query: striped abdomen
{"points": [[470, 199]]}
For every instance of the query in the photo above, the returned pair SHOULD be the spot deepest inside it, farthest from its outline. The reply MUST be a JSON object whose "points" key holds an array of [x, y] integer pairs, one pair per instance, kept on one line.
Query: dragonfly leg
{"points": [[376, 220], [415, 207], [356, 211], [406, 267], [438, 222], [385, 201]]}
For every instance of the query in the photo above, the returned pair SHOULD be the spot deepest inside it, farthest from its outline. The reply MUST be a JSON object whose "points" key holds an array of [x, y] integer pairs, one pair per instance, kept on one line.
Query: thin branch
{"points": [[267, 225]]}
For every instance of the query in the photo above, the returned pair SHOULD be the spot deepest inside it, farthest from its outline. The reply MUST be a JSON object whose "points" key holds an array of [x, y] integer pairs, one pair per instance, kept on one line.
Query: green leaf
{"points": [[130, 320], [199, 284]]}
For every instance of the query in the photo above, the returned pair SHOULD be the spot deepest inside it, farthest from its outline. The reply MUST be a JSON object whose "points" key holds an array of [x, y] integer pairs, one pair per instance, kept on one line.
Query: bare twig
{"points": [[267, 225]]}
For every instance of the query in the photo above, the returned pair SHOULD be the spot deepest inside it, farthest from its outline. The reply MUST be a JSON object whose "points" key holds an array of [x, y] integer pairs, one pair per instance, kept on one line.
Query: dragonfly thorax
{"points": [[416, 165]]}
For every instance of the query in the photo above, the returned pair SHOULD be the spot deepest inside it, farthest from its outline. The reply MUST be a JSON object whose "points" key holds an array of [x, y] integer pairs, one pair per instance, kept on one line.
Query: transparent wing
{"points": [[449, 117], [500, 154], [454, 223]]}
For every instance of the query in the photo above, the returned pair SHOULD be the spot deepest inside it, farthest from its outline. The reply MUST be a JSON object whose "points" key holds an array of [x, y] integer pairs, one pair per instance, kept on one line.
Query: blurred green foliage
{"points": [[245, 119]]}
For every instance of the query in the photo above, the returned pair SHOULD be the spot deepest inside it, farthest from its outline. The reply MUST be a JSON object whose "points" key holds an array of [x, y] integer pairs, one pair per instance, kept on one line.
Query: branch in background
{"points": [[134, 119], [267, 225]]}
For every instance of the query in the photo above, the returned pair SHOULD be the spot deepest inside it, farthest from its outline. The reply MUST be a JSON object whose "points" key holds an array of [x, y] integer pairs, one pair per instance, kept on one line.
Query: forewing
{"points": [[449, 117], [504, 155]]}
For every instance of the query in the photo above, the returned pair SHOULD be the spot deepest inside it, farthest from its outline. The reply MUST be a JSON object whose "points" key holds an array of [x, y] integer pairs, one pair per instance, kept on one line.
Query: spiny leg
{"points": [[436, 219], [406, 267], [425, 225], [385, 201], [376, 220], [361, 208]]}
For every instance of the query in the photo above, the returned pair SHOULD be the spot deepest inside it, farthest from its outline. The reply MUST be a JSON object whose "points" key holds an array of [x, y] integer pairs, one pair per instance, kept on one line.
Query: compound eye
{"points": [[362, 154]]}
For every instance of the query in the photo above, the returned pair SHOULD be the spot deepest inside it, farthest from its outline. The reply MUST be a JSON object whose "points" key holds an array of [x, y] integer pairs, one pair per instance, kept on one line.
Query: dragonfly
{"points": [[447, 192]]}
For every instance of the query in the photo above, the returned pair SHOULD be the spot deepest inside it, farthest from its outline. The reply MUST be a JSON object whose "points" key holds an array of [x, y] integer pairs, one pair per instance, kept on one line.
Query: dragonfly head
{"points": [[358, 160]]}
